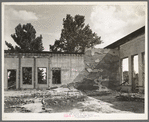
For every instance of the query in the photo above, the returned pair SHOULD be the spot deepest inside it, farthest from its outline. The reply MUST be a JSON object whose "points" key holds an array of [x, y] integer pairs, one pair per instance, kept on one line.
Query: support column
{"points": [[143, 68], [49, 71], [120, 70], [140, 69], [35, 72], [19, 73], [130, 69]]}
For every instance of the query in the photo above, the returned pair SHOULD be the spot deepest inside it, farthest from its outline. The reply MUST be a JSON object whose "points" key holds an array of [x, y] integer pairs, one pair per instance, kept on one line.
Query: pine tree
{"points": [[25, 38], [75, 36]]}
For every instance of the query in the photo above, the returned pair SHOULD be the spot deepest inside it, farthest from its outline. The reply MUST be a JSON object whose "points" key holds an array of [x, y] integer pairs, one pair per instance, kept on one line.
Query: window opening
{"points": [[135, 72], [125, 71], [56, 76], [42, 75], [27, 75], [11, 79]]}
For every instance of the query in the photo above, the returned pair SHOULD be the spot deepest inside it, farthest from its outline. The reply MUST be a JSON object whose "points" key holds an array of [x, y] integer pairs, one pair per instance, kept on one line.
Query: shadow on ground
{"points": [[130, 106]]}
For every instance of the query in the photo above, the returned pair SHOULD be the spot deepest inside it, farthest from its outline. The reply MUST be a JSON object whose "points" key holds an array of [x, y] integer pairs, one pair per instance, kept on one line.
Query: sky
{"points": [[111, 22]]}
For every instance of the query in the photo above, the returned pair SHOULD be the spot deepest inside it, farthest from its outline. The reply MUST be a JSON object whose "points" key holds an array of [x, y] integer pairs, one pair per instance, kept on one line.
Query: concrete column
{"points": [[48, 74], [130, 69], [19, 73], [140, 69], [70, 56], [49, 71], [69, 66], [5, 79], [35, 83], [120, 69], [143, 68]]}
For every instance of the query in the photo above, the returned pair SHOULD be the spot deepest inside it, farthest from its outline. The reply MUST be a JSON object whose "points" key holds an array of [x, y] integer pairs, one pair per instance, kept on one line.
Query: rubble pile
{"points": [[89, 87], [64, 96], [15, 103], [43, 100], [86, 84]]}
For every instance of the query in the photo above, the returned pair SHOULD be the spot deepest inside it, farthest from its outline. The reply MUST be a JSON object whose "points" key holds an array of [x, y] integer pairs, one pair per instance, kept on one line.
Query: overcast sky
{"points": [[111, 22]]}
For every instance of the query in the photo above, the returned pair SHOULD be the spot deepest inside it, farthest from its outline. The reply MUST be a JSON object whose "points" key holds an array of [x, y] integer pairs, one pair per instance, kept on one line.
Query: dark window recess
{"points": [[27, 75], [11, 79], [56, 76], [42, 75]]}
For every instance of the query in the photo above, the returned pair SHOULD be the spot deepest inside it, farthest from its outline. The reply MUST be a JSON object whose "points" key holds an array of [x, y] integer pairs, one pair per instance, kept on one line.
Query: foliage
{"points": [[75, 36], [126, 76], [27, 75], [25, 38], [41, 76]]}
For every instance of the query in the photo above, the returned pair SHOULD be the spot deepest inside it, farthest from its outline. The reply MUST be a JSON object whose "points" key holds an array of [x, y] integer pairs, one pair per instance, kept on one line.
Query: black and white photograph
{"points": [[74, 60]]}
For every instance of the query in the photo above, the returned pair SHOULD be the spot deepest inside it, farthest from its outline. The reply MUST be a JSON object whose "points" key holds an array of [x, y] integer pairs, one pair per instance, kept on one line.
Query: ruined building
{"points": [[119, 65], [132, 55], [56, 68]]}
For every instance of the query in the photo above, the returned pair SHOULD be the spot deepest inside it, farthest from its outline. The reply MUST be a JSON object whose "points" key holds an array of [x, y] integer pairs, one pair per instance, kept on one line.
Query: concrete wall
{"points": [[101, 65], [135, 46], [71, 65]]}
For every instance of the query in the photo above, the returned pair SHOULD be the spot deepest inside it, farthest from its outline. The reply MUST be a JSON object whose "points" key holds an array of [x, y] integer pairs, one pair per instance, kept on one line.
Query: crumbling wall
{"points": [[101, 70], [17, 61], [70, 64], [136, 46]]}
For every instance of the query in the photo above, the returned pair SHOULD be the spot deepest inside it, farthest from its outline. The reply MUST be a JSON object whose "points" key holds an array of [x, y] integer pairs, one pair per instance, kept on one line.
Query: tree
{"points": [[41, 76], [27, 75], [25, 38], [126, 77], [75, 36]]}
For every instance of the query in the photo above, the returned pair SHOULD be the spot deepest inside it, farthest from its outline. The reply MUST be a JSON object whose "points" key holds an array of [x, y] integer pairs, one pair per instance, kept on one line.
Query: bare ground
{"points": [[41, 101]]}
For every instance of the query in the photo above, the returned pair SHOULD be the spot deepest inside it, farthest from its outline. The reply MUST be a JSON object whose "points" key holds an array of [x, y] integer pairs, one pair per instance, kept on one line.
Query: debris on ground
{"points": [[130, 97], [69, 99], [97, 93], [44, 101]]}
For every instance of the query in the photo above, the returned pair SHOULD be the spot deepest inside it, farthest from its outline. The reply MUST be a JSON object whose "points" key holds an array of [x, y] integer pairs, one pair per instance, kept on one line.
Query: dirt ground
{"points": [[41, 101]]}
